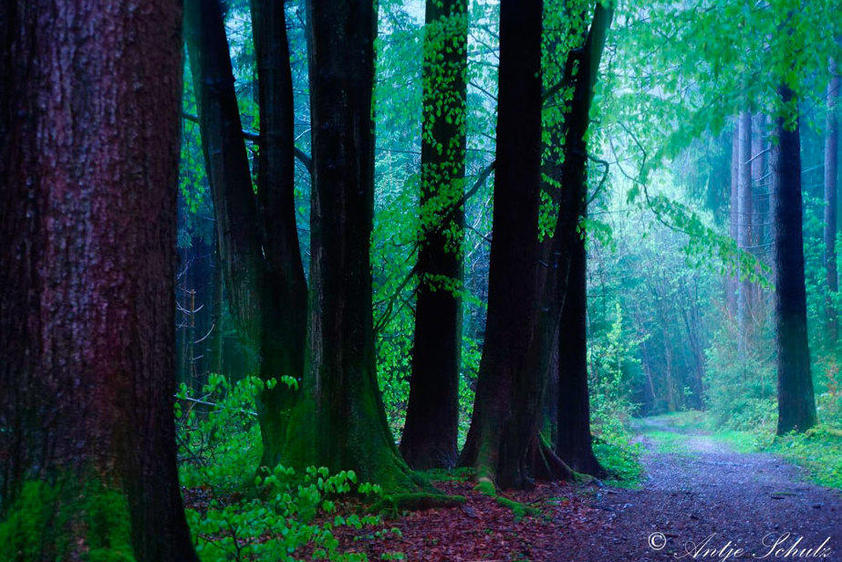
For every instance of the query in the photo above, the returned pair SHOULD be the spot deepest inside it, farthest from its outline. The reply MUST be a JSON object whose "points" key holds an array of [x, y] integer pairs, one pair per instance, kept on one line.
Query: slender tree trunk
{"points": [[430, 431], [744, 216], [87, 270], [796, 402], [831, 152], [574, 441], [349, 430], [258, 255], [498, 441], [731, 283], [284, 298]]}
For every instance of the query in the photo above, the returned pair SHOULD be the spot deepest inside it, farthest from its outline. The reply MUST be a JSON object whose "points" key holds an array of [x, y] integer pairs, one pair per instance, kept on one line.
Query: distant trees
{"points": [[90, 99], [831, 169], [796, 402], [429, 435]]}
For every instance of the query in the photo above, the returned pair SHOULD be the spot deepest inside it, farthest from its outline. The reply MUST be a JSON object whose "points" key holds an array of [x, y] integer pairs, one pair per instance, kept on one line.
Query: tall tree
{"points": [[731, 283], [507, 393], [349, 429], [831, 154], [432, 415], [258, 246], [573, 434], [744, 218], [284, 302], [88, 169], [796, 402]]}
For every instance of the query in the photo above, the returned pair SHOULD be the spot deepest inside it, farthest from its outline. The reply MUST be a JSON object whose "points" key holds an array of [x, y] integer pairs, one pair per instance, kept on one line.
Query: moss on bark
{"points": [[71, 518]]}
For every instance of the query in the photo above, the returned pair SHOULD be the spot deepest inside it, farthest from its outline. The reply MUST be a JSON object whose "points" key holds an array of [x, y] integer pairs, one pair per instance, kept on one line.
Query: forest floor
{"points": [[698, 499]]}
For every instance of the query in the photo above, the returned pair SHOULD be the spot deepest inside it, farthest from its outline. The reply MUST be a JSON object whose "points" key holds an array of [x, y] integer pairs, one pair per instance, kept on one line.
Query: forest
{"points": [[420, 280]]}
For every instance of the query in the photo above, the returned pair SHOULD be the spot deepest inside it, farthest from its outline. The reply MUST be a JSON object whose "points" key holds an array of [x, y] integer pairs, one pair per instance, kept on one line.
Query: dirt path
{"points": [[701, 500]]}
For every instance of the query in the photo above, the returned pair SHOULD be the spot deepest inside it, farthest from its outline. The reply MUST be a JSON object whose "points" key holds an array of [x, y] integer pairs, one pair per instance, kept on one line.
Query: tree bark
{"points": [[432, 415], [284, 298], [744, 216], [497, 442], [88, 168], [345, 428], [831, 152], [574, 442], [731, 282], [258, 252], [796, 402]]}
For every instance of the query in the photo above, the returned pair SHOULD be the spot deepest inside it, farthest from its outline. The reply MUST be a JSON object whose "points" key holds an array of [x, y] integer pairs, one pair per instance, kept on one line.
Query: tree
{"points": [[744, 217], [573, 434], [429, 436], [831, 151], [507, 403], [258, 245], [341, 423], [796, 402], [88, 161]]}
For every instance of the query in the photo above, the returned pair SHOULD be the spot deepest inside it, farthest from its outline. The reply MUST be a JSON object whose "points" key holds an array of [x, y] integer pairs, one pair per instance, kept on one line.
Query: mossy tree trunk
{"points": [[258, 245], [345, 427], [796, 401], [508, 393], [432, 416], [744, 222], [88, 166], [285, 299]]}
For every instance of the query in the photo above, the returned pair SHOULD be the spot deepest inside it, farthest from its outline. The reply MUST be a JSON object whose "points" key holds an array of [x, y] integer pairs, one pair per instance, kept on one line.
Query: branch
{"points": [[254, 137]]}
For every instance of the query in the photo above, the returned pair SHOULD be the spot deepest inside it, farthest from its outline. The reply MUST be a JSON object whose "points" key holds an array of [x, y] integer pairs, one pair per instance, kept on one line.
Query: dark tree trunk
{"points": [[349, 430], [258, 254], [284, 298], [831, 153], [88, 169], [432, 415], [796, 402], [574, 441], [744, 216], [498, 443]]}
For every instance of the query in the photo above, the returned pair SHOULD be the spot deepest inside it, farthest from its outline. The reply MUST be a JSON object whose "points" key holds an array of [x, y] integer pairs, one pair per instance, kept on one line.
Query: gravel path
{"points": [[706, 501]]}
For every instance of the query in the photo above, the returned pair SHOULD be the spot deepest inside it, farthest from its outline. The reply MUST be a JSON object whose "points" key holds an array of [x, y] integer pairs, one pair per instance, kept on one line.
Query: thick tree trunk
{"points": [[349, 430], [284, 298], [574, 441], [432, 415], [507, 394], [744, 216], [259, 257], [831, 154], [796, 402], [88, 169]]}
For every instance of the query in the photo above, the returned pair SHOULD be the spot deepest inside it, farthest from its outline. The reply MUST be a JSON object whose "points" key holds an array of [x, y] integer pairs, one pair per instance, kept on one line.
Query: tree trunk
{"points": [[574, 441], [349, 430], [259, 263], [744, 216], [831, 151], [796, 402], [731, 283], [432, 415], [498, 440], [88, 168], [284, 298]]}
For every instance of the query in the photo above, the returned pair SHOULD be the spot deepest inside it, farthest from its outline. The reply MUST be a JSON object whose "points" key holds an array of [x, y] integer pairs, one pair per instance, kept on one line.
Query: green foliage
{"points": [[71, 515], [217, 441]]}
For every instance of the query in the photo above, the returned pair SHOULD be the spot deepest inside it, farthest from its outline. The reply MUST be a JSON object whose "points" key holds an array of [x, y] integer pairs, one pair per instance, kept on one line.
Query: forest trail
{"points": [[701, 499]]}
